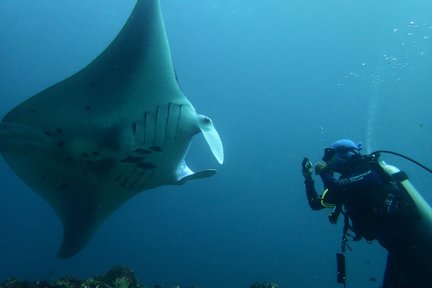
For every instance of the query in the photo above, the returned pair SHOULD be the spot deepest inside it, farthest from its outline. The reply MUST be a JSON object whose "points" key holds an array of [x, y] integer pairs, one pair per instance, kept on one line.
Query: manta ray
{"points": [[118, 127]]}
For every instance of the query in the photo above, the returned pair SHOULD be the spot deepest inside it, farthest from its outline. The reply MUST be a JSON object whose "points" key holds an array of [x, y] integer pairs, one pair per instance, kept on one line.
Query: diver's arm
{"points": [[333, 186], [330, 182], [313, 199]]}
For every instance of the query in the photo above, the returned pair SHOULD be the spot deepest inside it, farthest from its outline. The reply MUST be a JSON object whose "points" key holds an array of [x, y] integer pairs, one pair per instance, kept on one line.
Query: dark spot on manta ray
{"points": [[61, 144], [52, 134], [146, 165], [156, 148], [63, 187], [95, 153], [87, 107], [132, 159], [142, 151], [43, 177], [33, 110], [85, 155]]}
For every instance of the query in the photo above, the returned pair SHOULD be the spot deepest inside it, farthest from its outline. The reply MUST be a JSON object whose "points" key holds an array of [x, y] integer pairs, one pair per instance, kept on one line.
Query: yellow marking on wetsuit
{"points": [[325, 204]]}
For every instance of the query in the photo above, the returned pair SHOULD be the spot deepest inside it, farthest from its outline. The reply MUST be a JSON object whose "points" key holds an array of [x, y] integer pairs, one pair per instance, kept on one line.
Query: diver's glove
{"points": [[320, 167], [307, 168]]}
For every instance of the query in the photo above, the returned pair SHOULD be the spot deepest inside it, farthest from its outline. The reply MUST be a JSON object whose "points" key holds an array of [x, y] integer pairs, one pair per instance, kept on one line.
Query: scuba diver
{"points": [[378, 203]]}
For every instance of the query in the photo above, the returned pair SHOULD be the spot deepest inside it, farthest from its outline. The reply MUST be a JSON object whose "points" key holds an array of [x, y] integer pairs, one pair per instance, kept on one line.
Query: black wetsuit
{"points": [[380, 209]]}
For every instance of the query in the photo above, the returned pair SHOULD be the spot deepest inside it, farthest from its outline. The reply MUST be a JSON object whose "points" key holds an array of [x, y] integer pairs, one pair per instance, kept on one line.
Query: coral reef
{"points": [[264, 285], [118, 277]]}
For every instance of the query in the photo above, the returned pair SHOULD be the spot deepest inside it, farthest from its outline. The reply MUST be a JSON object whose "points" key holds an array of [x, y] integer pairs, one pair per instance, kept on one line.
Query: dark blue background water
{"points": [[281, 80]]}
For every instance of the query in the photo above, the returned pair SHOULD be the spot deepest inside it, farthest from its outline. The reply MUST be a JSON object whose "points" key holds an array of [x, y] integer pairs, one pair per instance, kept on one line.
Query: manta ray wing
{"points": [[119, 126]]}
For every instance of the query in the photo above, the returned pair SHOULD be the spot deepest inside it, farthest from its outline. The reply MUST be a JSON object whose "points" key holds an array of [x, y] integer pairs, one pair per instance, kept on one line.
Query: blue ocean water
{"points": [[281, 80]]}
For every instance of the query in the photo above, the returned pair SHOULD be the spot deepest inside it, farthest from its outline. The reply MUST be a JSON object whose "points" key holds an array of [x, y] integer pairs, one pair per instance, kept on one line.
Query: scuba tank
{"points": [[423, 208]]}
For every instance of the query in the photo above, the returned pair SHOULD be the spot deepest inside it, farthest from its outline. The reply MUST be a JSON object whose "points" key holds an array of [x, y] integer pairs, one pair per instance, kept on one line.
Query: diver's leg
{"points": [[396, 274], [390, 273]]}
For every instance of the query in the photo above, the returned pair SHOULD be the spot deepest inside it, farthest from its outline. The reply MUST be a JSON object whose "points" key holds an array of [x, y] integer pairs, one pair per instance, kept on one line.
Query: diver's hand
{"points": [[307, 168], [320, 167]]}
